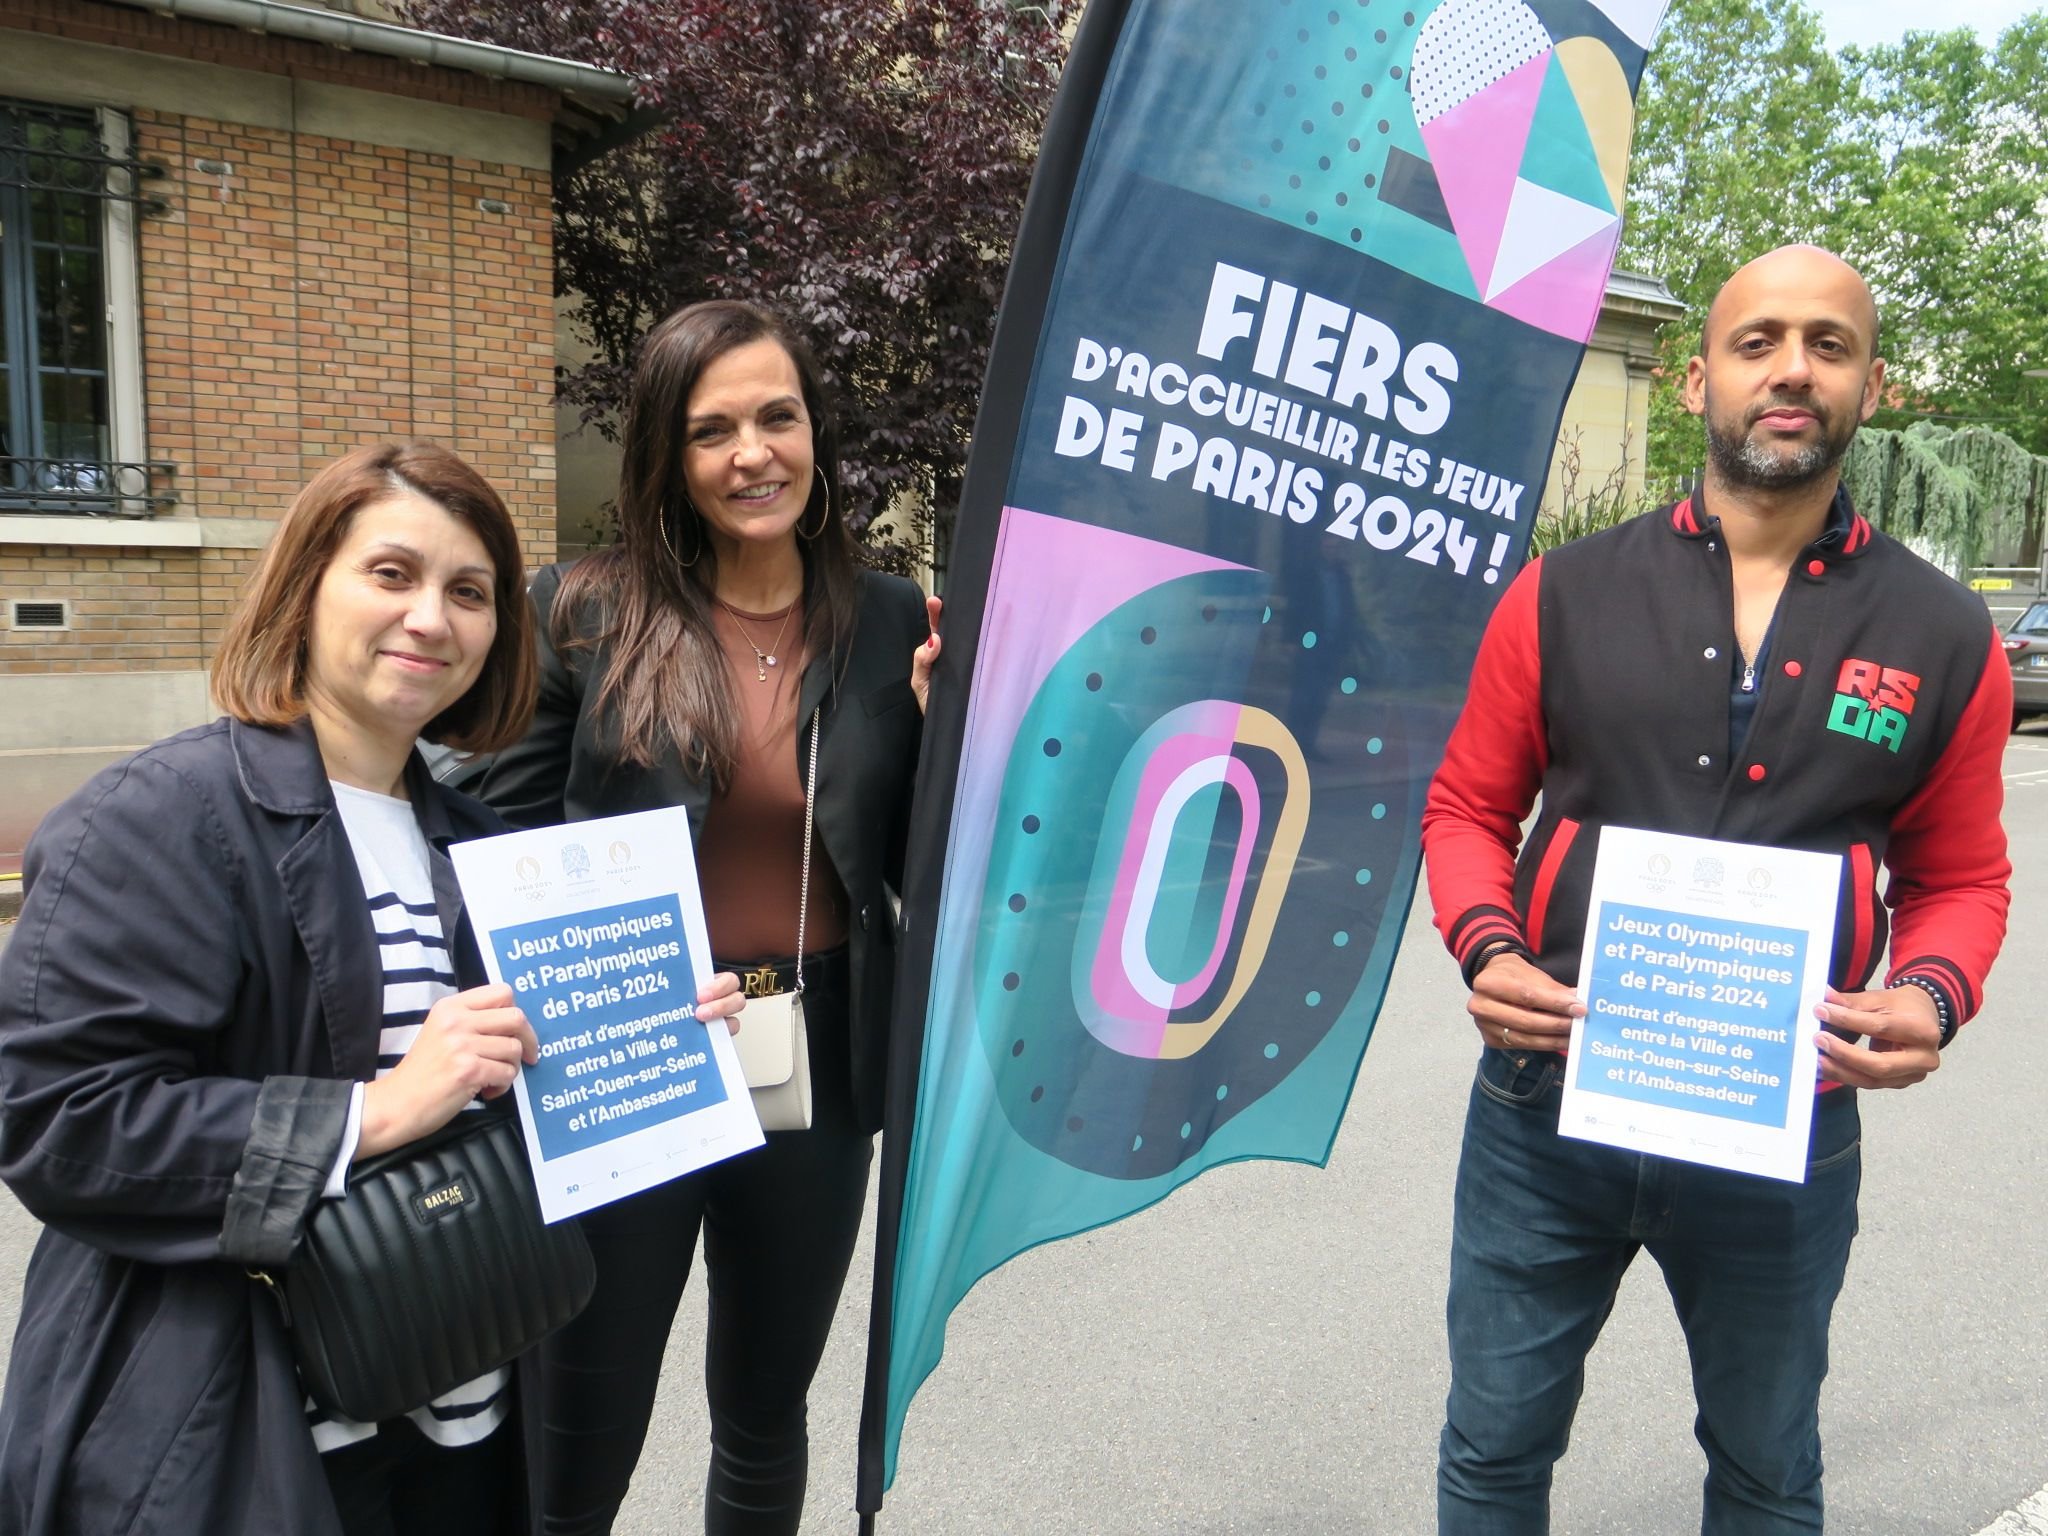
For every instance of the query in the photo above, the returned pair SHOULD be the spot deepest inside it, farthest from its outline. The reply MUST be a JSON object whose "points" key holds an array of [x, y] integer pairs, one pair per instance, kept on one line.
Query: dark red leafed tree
{"points": [[861, 166]]}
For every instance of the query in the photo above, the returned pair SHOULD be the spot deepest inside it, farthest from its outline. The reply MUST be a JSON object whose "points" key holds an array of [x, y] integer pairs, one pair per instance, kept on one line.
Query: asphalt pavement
{"points": [[36, 781], [1262, 1354]]}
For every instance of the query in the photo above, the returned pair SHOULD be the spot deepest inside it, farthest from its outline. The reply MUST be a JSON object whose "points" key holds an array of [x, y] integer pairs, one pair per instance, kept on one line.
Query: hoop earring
{"points": [[826, 516], [661, 526]]}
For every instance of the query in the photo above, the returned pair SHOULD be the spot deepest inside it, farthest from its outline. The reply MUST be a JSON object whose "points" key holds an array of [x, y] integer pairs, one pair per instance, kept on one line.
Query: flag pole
{"points": [[1027, 292]]}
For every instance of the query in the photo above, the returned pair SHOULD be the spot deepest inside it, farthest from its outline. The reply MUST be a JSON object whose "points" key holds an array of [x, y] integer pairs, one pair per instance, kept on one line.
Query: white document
{"points": [[598, 927], [1703, 964]]}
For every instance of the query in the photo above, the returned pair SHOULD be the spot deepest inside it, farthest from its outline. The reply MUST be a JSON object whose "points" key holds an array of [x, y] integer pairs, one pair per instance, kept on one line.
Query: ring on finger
{"points": [[1507, 1036]]}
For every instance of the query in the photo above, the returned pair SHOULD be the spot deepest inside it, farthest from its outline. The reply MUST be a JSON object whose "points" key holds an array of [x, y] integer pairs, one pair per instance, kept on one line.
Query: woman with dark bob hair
{"points": [[706, 660], [242, 965]]}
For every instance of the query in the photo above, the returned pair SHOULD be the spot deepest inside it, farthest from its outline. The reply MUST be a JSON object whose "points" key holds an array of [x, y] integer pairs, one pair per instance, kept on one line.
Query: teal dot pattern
{"points": [[1321, 96], [1062, 1087]]}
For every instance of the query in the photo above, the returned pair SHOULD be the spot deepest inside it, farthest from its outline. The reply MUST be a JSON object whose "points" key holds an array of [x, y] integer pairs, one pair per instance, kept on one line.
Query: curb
{"points": [[10, 898]]}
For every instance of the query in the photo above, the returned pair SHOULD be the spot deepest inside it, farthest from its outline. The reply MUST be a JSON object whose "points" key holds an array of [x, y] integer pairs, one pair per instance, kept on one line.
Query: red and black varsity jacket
{"points": [[1603, 682]]}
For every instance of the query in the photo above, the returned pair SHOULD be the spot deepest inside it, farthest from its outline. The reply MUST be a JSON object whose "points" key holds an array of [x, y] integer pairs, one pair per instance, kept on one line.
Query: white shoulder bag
{"points": [[773, 1048]]}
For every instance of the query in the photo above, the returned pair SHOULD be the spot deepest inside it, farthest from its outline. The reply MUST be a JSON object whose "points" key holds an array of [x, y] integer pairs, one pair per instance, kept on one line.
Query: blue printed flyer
{"points": [[598, 928], [1703, 964]]}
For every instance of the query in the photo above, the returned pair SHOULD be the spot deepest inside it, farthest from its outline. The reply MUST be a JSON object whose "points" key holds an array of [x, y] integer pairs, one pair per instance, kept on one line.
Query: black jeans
{"points": [[779, 1226], [403, 1484]]}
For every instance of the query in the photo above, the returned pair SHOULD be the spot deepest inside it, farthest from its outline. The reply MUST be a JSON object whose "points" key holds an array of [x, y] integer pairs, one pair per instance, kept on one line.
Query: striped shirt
{"points": [[391, 853]]}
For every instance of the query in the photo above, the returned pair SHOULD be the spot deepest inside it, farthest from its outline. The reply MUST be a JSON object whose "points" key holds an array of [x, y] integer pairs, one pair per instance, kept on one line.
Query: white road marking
{"points": [[2028, 1519], [2018, 772]]}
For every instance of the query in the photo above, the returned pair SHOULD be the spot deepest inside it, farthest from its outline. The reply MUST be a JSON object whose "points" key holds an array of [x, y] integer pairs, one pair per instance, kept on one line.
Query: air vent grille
{"points": [[40, 615]]}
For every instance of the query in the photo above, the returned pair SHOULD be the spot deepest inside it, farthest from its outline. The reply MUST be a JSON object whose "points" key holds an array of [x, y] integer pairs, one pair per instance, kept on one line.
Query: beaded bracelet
{"points": [[1943, 1017]]}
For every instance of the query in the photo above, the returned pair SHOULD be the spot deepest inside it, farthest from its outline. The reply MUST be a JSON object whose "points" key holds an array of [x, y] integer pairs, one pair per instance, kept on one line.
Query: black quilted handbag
{"points": [[435, 1269]]}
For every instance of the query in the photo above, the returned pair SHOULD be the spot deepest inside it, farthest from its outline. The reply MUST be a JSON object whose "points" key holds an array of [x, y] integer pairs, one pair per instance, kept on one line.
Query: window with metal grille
{"points": [[57, 452]]}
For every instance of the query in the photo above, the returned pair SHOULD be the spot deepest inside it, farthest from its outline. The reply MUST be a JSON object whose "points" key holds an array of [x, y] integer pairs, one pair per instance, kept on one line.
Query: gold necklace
{"points": [[763, 660]]}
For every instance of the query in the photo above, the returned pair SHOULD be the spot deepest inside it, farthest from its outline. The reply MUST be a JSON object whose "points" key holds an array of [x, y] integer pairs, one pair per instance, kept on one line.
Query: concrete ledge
{"points": [[105, 532], [236, 532], [136, 533], [98, 711], [10, 898], [431, 127], [61, 69]]}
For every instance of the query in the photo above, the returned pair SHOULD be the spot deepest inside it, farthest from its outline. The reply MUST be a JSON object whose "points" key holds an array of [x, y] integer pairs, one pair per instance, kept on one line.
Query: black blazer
{"points": [[568, 769], [189, 994]]}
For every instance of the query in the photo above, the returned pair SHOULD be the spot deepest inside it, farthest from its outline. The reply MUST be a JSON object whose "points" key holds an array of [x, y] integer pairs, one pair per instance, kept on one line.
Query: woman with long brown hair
{"points": [[722, 647]]}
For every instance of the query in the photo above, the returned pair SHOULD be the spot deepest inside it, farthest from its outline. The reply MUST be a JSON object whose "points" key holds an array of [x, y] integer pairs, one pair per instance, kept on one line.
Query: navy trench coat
{"points": [[190, 991]]}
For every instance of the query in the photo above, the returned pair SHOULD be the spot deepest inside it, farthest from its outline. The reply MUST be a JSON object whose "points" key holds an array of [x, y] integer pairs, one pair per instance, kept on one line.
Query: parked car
{"points": [[2026, 647]]}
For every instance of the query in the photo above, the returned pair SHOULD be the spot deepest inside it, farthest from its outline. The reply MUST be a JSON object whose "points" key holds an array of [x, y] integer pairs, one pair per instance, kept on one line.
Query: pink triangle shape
{"points": [[1476, 150], [1054, 578], [1564, 296]]}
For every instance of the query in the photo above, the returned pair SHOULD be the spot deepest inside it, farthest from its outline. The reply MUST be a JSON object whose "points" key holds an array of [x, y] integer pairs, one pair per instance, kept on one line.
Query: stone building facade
{"points": [[1607, 417]]}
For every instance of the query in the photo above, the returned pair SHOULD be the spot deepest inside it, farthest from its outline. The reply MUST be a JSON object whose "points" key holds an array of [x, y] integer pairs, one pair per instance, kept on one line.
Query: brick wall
{"points": [[324, 292], [132, 610], [320, 294]]}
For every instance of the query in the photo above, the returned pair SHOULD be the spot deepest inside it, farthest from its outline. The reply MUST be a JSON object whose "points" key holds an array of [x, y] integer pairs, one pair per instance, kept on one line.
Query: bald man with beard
{"points": [[1755, 663]]}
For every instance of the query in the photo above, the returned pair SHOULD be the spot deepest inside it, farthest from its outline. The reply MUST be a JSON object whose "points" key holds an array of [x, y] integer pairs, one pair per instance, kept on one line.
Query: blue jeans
{"points": [[1545, 1226]]}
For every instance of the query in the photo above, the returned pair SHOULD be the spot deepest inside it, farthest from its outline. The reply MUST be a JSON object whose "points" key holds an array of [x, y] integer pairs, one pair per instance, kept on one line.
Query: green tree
{"points": [[1964, 498], [1955, 135], [859, 166], [1924, 163], [1737, 151]]}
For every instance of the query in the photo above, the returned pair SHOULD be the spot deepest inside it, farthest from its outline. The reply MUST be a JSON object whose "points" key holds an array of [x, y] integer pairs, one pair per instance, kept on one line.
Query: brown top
{"points": [[750, 849]]}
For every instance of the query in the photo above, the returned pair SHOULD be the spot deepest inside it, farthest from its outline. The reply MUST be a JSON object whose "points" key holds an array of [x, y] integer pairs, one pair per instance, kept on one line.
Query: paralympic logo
{"points": [[1168, 790]]}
